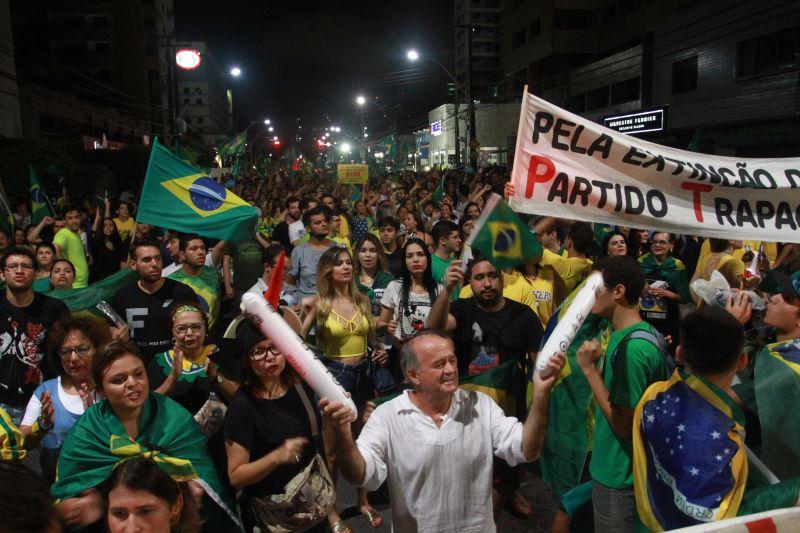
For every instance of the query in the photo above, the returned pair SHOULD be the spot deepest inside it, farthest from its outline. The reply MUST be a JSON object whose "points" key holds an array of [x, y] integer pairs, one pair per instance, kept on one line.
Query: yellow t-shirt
{"points": [[770, 248], [515, 287], [126, 228], [344, 229], [543, 290], [571, 269]]}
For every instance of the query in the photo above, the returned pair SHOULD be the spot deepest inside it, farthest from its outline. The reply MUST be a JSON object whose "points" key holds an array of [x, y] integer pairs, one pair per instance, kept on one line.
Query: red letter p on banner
{"points": [[540, 170]]}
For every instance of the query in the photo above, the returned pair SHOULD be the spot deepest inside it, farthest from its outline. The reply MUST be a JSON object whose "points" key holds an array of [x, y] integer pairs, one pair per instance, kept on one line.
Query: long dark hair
{"points": [[114, 238], [143, 474], [427, 276]]}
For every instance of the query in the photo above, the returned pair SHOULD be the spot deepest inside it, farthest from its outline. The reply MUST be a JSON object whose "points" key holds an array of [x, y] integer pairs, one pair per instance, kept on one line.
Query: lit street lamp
{"points": [[270, 129], [412, 55], [267, 122], [360, 100], [236, 72], [345, 148]]}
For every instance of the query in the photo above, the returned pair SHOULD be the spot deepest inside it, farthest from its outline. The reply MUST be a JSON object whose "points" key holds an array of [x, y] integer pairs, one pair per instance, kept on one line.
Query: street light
{"points": [[267, 122], [345, 148], [360, 100], [412, 56], [236, 72], [270, 129]]}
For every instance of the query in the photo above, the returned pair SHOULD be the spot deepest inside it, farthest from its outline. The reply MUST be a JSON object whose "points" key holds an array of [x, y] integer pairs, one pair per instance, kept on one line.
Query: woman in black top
{"points": [[268, 436], [108, 253]]}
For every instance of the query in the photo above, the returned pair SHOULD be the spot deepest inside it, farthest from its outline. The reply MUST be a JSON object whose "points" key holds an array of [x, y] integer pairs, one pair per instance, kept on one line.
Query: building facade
{"points": [[10, 118], [726, 72], [204, 101], [94, 68]]}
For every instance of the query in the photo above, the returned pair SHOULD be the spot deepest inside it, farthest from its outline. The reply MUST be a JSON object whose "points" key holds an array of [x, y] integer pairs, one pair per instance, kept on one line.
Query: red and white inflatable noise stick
{"points": [[297, 354], [570, 323]]}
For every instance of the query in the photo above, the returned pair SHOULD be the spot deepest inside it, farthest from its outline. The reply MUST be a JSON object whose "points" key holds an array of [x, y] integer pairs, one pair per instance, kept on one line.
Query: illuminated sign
{"points": [[188, 58], [436, 128], [645, 121]]}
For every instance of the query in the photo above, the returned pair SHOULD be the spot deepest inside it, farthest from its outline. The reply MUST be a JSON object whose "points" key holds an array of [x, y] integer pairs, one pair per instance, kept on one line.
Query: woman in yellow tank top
{"points": [[344, 331]]}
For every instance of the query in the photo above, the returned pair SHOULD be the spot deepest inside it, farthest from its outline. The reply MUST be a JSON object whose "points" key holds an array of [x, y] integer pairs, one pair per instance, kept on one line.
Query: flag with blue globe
{"points": [[501, 237], [181, 197], [689, 458]]}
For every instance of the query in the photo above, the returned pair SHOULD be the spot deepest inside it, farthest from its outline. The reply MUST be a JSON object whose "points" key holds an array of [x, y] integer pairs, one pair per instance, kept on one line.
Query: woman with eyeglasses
{"points": [[268, 429], [666, 286], [58, 403], [186, 373]]}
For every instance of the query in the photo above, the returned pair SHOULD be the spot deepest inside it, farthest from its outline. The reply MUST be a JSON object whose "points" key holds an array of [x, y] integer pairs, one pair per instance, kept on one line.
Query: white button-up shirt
{"points": [[440, 479]]}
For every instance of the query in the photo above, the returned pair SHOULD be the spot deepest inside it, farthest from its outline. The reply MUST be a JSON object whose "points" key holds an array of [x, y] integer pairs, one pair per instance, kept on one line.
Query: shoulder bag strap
{"points": [[312, 417]]}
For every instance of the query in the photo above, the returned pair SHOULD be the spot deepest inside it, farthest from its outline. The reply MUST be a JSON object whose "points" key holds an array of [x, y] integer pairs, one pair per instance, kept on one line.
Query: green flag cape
{"points": [[777, 391], [501, 237], [438, 194], [235, 146], [671, 269], [83, 301], [570, 419], [168, 435], [179, 196], [39, 204]]}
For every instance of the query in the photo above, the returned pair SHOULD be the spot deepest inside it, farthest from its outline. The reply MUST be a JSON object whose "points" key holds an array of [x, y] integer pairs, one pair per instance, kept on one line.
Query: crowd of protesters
{"points": [[161, 418]]}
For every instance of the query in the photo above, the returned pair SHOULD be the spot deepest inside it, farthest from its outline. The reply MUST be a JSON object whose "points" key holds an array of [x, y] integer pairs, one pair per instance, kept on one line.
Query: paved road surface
{"points": [[534, 488]]}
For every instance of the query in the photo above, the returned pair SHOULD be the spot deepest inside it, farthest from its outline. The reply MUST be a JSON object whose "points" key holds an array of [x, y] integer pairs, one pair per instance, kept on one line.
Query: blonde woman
{"points": [[345, 328]]}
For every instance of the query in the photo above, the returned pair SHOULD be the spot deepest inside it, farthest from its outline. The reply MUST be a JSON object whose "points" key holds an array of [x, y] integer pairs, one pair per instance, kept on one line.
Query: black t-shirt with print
{"points": [[484, 340], [147, 314], [22, 345], [261, 426]]}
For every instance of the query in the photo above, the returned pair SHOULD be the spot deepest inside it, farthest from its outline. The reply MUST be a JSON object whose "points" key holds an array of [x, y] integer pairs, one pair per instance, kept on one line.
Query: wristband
{"points": [[37, 428]]}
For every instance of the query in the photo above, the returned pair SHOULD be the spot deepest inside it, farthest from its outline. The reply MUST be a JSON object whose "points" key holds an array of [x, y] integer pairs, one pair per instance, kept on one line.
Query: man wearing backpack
{"points": [[634, 359]]}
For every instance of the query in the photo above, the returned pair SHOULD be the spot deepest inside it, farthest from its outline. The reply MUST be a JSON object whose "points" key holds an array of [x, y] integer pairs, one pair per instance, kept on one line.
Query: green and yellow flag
{"points": [[39, 205], [179, 196], [237, 145], [777, 392], [501, 237], [388, 146]]}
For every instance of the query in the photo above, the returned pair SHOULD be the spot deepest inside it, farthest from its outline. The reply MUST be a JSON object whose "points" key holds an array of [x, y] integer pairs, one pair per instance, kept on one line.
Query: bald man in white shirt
{"points": [[436, 443]]}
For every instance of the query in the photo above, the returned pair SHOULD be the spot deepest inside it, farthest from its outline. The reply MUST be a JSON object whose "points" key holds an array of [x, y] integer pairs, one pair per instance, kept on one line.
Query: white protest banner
{"points": [[569, 167]]}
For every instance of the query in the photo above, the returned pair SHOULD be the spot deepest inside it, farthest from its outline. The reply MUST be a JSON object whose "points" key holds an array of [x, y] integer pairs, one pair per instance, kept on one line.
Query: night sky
{"points": [[310, 60]]}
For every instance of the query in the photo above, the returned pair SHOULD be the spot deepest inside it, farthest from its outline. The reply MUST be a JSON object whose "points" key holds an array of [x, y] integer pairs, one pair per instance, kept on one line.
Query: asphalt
{"points": [[532, 486]]}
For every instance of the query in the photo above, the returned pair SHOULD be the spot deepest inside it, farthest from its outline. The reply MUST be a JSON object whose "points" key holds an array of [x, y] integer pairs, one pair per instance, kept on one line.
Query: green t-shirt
{"points": [[41, 285], [438, 267], [207, 287], [248, 265], [73, 251], [638, 365]]}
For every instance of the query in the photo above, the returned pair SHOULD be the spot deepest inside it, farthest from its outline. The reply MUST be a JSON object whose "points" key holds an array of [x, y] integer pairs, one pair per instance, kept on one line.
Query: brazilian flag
{"points": [[83, 302], [39, 205], [237, 145], [438, 194], [501, 237], [388, 146], [689, 459], [179, 196], [570, 420]]}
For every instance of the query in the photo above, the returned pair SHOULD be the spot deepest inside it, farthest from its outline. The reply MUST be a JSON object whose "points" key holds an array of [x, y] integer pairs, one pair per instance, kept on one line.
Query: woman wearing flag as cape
{"points": [[132, 422]]}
